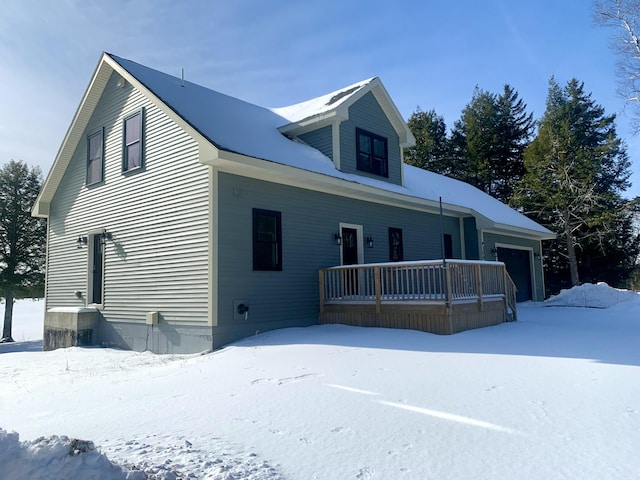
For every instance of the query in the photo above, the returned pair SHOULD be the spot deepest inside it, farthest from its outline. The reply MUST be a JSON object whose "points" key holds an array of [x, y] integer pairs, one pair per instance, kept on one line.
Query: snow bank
{"points": [[591, 295], [60, 457], [56, 457]]}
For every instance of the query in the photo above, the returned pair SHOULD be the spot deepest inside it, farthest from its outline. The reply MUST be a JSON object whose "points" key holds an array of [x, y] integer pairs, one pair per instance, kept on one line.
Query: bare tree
{"points": [[624, 17]]}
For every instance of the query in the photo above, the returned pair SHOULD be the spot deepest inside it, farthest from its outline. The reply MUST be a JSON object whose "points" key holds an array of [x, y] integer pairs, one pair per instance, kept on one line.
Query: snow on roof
{"points": [[237, 126], [319, 105]]}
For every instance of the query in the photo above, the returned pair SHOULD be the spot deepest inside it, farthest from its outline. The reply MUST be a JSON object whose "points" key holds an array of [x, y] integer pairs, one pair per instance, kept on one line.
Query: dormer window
{"points": [[372, 153]]}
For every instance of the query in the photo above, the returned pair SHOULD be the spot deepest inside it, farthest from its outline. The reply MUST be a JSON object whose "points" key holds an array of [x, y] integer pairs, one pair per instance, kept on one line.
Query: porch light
{"points": [[106, 236], [81, 242], [369, 241], [337, 238], [494, 250]]}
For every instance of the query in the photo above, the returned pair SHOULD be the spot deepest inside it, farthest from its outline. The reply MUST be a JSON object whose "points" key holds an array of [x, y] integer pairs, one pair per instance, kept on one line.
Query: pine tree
{"points": [[515, 129], [431, 151], [576, 171], [488, 142], [22, 238]]}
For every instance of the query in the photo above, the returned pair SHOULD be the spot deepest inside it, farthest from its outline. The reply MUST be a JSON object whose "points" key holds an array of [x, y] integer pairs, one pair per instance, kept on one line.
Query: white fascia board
{"points": [[393, 114], [312, 123], [83, 113], [106, 66], [519, 232], [205, 147], [238, 164]]}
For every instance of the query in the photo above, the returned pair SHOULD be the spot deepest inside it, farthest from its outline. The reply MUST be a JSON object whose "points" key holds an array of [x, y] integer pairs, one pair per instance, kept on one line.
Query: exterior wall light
{"points": [[105, 236], [369, 241], [337, 238], [81, 242]]}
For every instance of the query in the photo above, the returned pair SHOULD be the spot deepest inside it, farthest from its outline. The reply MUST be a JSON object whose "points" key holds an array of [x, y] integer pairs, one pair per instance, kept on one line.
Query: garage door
{"points": [[519, 268]]}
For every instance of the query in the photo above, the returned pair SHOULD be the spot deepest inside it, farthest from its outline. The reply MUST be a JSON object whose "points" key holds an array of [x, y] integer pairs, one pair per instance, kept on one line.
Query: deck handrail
{"points": [[449, 281]]}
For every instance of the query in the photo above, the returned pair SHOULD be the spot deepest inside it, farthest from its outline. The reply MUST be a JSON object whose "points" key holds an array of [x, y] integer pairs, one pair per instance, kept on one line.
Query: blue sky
{"points": [[427, 53]]}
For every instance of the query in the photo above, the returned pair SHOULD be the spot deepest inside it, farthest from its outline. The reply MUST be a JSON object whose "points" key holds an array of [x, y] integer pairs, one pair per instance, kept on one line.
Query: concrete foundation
{"points": [[69, 327]]}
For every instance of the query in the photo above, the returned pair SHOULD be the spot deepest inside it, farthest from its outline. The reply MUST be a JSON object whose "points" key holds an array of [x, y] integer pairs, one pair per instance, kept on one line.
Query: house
{"points": [[181, 219]]}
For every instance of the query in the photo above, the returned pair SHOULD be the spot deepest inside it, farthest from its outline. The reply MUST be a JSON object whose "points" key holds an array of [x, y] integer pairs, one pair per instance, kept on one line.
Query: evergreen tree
{"points": [[473, 141], [22, 238], [576, 171], [432, 145], [515, 129], [488, 142]]}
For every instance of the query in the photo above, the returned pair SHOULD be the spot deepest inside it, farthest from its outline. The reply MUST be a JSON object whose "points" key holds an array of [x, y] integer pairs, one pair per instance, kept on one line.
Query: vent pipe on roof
{"points": [[182, 77]]}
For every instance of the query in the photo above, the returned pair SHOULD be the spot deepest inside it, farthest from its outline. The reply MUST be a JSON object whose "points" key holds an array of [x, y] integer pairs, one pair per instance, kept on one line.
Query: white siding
{"points": [[158, 217]]}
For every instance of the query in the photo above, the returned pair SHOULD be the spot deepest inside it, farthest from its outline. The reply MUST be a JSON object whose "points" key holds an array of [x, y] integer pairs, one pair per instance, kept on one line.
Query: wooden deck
{"points": [[434, 296]]}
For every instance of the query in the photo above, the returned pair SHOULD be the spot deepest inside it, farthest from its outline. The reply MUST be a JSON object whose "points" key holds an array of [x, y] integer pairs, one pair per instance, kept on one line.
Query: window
{"points": [[267, 240], [95, 157], [372, 153], [133, 141], [396, 253]]}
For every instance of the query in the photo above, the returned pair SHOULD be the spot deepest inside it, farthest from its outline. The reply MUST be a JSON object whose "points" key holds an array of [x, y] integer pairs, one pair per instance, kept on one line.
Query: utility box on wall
{"points": [[69, 327], [152, 318]]}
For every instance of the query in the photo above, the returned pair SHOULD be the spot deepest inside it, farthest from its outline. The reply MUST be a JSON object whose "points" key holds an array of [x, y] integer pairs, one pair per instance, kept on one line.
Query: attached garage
{"points": [[518, 262]]}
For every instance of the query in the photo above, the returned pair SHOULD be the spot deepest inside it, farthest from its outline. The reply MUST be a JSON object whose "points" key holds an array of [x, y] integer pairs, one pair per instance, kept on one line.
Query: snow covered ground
{"points": [[555, 395]]}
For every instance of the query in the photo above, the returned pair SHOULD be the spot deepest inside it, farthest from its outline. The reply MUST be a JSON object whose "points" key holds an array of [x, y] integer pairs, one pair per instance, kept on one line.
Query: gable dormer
{"points": [[359, 128]]}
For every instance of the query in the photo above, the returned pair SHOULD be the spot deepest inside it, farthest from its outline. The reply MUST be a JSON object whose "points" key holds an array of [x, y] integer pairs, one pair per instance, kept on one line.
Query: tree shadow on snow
{"points": [[29, 346]]}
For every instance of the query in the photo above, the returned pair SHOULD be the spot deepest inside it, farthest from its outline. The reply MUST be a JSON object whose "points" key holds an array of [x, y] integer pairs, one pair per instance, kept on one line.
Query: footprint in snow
{"points": [[366, 473]]}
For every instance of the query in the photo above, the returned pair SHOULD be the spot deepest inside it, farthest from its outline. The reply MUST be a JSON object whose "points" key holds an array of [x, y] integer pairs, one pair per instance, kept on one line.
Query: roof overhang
{"points": [[341, 113], [103, 71]]}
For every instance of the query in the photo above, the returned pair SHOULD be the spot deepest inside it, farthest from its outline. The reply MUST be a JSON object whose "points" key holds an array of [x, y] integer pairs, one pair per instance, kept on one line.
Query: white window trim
{"points": [[359, 239], [91, 234]]}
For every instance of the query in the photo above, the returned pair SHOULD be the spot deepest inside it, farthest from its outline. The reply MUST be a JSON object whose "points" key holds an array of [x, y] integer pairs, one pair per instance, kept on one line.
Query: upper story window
{"points": [[267, 240], [133, 154], [95, 157], [372, 153]]}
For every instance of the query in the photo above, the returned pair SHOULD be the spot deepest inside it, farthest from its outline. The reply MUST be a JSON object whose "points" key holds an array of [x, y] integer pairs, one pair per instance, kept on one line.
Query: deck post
{"points": [[321, 283], [448, 283], [479, 287], [376, 283]]}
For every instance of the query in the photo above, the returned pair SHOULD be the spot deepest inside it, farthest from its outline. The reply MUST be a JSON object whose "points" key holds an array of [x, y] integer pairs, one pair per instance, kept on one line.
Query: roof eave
{"points": [[83, 113], [341, 113]]}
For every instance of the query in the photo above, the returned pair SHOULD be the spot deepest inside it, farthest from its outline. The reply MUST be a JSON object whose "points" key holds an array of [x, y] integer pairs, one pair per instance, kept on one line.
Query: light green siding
{"points": [[367, 115], [471, 238], [158, 258], [320, 139], [309, 220]]}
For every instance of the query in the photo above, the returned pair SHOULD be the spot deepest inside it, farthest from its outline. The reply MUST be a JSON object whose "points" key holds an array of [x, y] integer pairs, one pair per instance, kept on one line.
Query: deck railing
{"points": [[428, 281]]}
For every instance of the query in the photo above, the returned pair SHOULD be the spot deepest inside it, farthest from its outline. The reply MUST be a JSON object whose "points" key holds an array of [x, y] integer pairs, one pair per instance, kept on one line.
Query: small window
{"points": [[133, 142], [267, 240], [396, 253], [372, 153], [95, 158]]}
